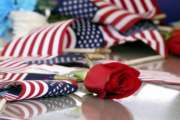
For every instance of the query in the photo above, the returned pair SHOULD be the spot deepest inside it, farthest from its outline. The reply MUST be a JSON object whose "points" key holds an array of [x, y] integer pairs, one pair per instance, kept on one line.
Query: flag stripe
{"points": [[142, 7], [14, 65], [121, 20], [11, 77], [150, 37]]}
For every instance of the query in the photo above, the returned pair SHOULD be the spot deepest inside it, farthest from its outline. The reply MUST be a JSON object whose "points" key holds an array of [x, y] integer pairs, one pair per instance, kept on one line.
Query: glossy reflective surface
{"points": [[151, 102]]}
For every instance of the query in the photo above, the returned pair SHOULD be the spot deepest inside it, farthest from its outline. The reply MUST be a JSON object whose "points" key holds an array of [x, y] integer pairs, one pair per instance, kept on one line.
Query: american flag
{"points": [[121, 16], [36, 89], [29, 109], [11, 77], [14, 64], [61, 59], [19, 64], [90, 35], [45, 41], [83, 33], [13, 69], [117, 15]]}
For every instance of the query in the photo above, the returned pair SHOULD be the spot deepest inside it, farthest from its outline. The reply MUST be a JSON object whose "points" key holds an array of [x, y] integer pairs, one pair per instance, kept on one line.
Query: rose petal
{"points": [[96, 78]]}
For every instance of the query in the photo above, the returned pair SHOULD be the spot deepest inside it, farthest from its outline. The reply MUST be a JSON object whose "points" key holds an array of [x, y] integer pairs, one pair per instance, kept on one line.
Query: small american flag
{"points": [[46, 41], [18, 64], [61, 59], [90, 35], [11, 77], [36, 89]]}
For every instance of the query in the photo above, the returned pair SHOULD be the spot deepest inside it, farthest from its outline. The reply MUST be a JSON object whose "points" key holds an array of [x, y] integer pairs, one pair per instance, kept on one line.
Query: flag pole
{"points": [[143, 60], [160, 17], [2, 104], [87, 50]]}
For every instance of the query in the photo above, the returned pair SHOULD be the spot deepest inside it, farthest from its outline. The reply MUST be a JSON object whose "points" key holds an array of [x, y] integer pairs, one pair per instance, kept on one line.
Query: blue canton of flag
{"points": [[88, 34], [63, 59], [77, 8], [59, 89], [37, 89]]}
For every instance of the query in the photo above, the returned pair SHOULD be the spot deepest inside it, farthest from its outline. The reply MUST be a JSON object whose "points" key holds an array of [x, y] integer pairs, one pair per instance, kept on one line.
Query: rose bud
{"points": [[112, 80], [173, 43]]}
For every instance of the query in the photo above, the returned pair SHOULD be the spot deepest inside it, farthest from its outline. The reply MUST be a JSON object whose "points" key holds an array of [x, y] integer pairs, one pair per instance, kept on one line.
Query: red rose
{"points": [[174, 43], [112, 80]]}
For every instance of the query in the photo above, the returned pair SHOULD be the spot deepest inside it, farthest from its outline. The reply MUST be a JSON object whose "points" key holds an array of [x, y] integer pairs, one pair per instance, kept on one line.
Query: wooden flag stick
{"points": [[166, 28], [88, 50], [160, 17], [143, 60], [96, 56], [64, 77], [2, 104], [89, 61]]}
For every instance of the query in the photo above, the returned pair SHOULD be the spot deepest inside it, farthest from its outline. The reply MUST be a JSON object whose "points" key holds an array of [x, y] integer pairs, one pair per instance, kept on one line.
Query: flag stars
{"points": [[78, 8], [88, 34], [59, 88]]}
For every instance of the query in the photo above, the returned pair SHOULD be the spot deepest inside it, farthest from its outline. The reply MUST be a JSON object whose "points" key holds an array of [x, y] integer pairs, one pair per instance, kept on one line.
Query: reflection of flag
{"points": [[35, 89], [32, 108]]}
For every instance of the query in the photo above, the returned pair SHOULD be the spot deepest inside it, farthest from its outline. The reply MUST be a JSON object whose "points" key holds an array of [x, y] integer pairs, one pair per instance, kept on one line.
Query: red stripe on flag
{"points": [[68, 39], [14, 47], [40, 50], [50, 48]]}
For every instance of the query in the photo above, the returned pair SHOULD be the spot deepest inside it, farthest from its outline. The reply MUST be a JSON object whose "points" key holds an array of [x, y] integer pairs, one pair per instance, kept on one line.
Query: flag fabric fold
{"points": [[45, 41], [137, 6], [120, 14], [97, 24], [35, 89], [82, 33], [11, 77]]}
